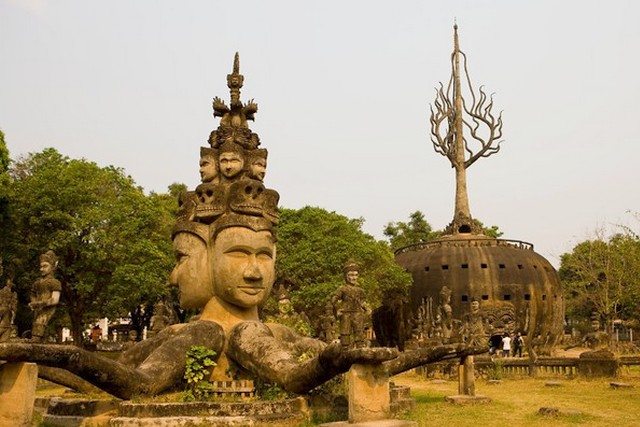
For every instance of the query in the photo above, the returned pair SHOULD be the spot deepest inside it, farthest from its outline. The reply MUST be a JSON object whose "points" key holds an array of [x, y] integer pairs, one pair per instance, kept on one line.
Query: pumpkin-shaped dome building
{"points": [[517, 289]]}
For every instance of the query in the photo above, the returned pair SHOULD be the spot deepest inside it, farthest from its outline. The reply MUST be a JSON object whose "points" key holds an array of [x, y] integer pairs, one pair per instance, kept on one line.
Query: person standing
{"points": [[518, 343], [506, 344]]}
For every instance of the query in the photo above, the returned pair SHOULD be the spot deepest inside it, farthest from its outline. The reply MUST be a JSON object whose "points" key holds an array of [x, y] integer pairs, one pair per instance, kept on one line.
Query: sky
{"points": [[344, 90]]}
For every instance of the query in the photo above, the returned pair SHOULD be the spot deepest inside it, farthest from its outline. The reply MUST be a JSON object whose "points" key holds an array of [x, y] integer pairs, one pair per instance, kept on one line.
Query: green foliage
{"points": [[313, 246], [198, 366], [495, 370], [418, 230], [602, 275], [112, 240]]}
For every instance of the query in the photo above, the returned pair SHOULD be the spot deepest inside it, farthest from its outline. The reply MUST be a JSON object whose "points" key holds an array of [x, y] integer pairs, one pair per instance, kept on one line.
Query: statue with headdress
{"points": [[351, 309], [45, 295]]}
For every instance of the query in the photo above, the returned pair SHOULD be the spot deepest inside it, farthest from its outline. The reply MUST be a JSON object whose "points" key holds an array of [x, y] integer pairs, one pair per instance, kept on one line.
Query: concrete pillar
{"points": [[17, 393], [466, 377], [369, 398]]}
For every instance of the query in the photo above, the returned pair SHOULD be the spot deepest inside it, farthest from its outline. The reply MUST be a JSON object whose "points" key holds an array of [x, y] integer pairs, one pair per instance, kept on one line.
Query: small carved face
{"points": [[192, 272], [475, 306], [352, 277], [208, 169], [231, 164], [45, 268], [243, 266], [258, 169]]}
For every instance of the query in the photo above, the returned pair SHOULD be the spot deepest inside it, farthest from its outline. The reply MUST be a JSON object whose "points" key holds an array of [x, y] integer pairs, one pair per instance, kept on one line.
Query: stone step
{"points": [[401, 406], [400, 392], [217, 409], [81, 407], [202, 421]]}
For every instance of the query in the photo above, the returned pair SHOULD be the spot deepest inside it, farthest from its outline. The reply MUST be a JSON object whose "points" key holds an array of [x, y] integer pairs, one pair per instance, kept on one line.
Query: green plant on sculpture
{"points": [[200, 361]]}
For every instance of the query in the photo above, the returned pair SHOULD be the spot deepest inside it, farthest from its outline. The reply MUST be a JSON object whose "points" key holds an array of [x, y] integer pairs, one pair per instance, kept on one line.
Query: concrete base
{"points": [[463, 399], [369, 398], [17, 393], [376, 423]]}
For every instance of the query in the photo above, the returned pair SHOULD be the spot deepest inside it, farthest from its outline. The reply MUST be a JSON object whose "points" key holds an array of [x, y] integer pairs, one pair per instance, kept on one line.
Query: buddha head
{"points": [[208, 165], [231, 160]]}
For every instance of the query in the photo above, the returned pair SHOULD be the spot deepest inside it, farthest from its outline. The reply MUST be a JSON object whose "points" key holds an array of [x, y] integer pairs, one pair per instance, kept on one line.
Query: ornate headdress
{"points": [[240, 201], [350, 266], [49, 257]]}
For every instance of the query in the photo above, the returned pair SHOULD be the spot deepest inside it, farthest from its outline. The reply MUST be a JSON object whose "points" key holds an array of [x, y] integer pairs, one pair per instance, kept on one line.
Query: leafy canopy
{"points": [[418, 230], [602, 275], [112, 240], [313, 246]]}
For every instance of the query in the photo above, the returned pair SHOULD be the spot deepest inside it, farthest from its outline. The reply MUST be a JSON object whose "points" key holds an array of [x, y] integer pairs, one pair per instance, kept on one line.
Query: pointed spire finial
{"points": [[236, 64]]}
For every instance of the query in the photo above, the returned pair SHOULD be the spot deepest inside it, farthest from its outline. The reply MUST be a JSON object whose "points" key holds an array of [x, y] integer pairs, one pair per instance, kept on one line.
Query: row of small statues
{"points": [[346, 317], [45, 296]]}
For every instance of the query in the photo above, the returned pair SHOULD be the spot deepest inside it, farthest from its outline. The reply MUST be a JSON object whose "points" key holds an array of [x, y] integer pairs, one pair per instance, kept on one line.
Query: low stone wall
{"points": [[590, 364]]}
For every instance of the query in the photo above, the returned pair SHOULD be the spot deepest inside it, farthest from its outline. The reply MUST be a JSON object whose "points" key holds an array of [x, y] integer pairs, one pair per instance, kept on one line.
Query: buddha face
{"points": [[208, 169], [192, 272], [352, 277], [231, 164], [258, 169], [45, 268], [243, 264]]}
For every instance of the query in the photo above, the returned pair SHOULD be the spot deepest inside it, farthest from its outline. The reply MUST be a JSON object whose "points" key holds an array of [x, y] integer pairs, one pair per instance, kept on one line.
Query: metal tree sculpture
{"points": [[451, 115]]}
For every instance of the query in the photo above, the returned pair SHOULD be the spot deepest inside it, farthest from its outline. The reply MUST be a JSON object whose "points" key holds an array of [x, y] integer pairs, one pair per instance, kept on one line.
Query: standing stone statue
{"points": [[351, 308], [327, 324], [161, 318], [473, 330], [445, 312], [8, 308], [45, 295]]}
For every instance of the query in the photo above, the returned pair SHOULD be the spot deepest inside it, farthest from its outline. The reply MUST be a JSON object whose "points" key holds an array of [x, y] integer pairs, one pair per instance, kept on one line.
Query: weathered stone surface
{"points": [[620, 385], [17, 393], [464, 399], [553, 384], [599, 363], [377, 423], [550, 411], [368, 391]]}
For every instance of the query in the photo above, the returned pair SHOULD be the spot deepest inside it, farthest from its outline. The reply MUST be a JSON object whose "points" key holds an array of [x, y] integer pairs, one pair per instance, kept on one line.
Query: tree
{"points": [[602, 275], [418, 230], [112, 240], [314, 245]]}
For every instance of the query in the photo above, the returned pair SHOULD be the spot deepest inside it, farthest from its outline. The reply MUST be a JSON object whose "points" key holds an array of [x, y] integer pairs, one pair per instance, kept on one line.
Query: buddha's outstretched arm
{"points": [[254, 347], [162, 369], [413, 358]]}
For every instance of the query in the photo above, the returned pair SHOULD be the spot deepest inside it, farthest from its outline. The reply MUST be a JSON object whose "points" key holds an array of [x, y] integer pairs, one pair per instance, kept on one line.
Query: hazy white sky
{"points": [[343, 89]]}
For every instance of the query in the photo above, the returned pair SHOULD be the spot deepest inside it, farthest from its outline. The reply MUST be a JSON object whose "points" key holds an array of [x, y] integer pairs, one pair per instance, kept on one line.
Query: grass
{"points": [[516, 402]]}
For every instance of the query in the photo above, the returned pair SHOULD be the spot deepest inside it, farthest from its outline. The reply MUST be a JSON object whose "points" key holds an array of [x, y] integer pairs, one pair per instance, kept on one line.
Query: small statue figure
{"points": [[445, 312], [327, 324], [597, 339], [473, 330], [45, 295], [8, 308], [351, 309], [161, 318]]}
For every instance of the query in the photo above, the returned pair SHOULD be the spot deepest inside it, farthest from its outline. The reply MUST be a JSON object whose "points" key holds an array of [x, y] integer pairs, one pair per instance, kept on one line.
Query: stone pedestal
{"points": [[17, 393], [369, 398], [467, 385]]}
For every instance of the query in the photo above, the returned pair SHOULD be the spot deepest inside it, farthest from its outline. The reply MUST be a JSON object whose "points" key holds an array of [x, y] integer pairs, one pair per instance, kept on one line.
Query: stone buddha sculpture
{"points": [[225, 245]]}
